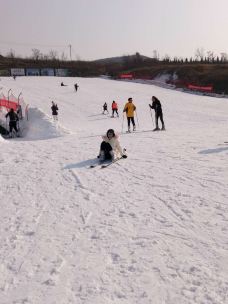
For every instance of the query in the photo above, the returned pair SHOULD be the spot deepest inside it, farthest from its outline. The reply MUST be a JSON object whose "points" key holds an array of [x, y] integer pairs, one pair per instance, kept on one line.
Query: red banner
{"points": [[126, 76], [199, 88], [8, 104]]}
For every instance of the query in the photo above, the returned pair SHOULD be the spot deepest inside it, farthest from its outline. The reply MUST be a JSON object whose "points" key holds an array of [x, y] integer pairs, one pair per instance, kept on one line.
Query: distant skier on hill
{"points": [[76, 86], [12, 122], [54, 109], [130, 108], [114, 109], [105, 108], [63, 85], [110, 148], [156, 105]]}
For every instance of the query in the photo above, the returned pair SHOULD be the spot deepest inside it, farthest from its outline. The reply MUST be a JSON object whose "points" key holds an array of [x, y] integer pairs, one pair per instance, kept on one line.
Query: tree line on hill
{"points": [[205, 68]]}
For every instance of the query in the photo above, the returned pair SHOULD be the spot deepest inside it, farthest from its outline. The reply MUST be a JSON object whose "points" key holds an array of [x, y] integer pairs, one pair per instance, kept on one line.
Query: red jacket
{"points": [[114, 106]]}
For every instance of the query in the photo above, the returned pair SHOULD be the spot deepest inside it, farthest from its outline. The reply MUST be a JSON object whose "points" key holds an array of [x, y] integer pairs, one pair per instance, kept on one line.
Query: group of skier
{"points": [[114, 109], [130, 110], [110, 148]]}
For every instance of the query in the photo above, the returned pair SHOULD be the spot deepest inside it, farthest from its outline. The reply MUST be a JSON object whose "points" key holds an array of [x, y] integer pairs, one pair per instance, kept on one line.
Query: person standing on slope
{"points": [[130, 108], [105, 108], [114, 108], [110, 148], [156, 105], [76, 86], [13, 121], [54, 109]]}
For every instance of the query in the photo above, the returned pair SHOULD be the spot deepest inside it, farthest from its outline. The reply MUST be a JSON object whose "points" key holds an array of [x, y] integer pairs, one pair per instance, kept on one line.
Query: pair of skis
{"points": [[104, 164]]}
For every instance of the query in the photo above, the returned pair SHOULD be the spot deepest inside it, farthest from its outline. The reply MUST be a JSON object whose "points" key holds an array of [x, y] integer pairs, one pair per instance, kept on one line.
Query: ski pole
{"points": [[151, 116], [122, 124], [137, 117]]}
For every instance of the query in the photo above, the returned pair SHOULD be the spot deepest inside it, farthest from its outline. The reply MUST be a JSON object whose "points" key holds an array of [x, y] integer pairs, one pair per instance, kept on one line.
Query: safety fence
{"points": [[18, 105]]}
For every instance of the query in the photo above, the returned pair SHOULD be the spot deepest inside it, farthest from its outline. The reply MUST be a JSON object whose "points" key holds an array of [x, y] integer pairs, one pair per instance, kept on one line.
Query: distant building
{"points": [[47, 72], [17, 72], [61, 72], [32, 72]]}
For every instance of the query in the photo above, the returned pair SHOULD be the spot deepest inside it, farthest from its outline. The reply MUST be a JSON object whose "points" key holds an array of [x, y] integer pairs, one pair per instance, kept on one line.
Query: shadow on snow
{"points": [[215, 150]]}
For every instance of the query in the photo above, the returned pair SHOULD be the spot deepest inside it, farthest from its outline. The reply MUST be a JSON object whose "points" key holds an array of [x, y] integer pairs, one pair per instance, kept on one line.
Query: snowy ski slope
{"points": [[152, 228]]}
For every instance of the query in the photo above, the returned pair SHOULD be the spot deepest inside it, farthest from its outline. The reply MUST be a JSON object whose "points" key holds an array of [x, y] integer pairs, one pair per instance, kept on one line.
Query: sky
{"points": [[98, 29]]}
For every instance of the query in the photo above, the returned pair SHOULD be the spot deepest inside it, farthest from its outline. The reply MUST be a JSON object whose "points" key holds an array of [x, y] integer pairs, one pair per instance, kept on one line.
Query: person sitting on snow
{"points": [[110, 148]]}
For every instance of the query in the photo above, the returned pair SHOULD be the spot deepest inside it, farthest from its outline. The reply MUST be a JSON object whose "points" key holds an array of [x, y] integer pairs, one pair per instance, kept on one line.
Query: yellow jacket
{"points": [[129, 109]]}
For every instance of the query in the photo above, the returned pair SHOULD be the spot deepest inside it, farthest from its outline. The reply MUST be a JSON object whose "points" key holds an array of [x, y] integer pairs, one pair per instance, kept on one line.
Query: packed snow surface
{"points": [[152, 228]]}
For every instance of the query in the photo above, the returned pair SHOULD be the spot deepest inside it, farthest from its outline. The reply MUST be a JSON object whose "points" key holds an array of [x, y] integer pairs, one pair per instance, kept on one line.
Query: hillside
{"points": [[215, 74]]}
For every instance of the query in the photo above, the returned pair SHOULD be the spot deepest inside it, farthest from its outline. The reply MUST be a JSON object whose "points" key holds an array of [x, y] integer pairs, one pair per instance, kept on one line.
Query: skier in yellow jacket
{"points": [[130, 108]]}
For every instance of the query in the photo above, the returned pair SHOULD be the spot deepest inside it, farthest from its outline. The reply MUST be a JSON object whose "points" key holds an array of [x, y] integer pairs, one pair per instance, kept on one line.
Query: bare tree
{"points": [[224, 57], [36, 54], [53, 55], [199, 54], [166, 58], [11, 54], [63, 57], [211, 56], [138, 58]]}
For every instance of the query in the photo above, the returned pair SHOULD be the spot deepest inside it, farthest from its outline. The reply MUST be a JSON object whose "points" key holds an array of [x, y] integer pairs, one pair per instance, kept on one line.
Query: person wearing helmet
{"points": [[130, 108], [110, 147]]}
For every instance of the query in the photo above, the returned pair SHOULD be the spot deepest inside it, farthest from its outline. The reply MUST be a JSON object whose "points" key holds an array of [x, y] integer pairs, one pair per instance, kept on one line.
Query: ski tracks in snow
{"points": [[146, 227]]}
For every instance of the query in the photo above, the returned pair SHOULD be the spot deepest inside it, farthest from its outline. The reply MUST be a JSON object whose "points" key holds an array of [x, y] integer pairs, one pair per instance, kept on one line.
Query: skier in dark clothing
{"points": [[156, 105], [76, 86], [54, 109], [62, 84], [105, 108], [13, 121]]}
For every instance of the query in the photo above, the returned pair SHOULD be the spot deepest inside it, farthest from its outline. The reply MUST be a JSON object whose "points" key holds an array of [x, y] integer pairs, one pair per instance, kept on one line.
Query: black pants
{"points": [[13, 125], [129, 120], [115, 111], [157, 116], [106, 147]]}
